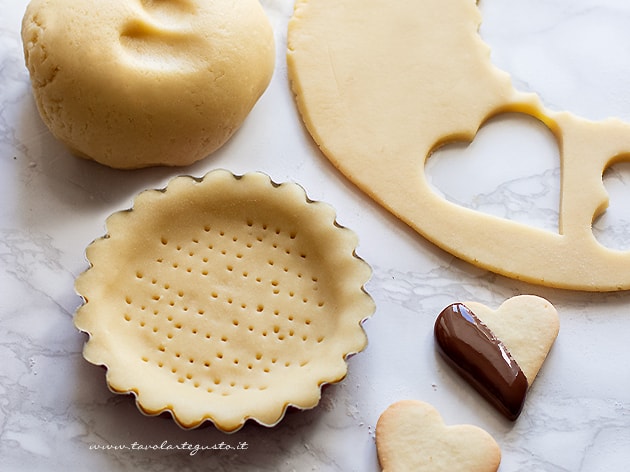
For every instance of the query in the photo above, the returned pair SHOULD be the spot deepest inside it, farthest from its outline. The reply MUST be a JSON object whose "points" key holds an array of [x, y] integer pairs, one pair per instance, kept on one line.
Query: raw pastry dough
{"points": [[224, 299], [381, 85], [135, 83]]}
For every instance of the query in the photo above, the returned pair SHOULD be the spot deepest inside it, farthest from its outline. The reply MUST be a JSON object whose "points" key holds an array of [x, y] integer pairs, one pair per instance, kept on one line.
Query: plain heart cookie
{"points": [[499, 352], [411, 436]]}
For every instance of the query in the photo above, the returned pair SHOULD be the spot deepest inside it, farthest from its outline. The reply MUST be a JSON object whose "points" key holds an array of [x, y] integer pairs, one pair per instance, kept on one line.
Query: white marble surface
{"points": [[54, 406]]}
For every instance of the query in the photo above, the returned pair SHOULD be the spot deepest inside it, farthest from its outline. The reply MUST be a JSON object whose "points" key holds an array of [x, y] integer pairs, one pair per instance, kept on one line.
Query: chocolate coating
{"points": [[482, 359]]}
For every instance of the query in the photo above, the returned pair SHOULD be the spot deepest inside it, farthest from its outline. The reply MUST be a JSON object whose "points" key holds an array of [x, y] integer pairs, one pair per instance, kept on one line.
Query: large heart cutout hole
{"points": [[612, 227], [510, 170]]}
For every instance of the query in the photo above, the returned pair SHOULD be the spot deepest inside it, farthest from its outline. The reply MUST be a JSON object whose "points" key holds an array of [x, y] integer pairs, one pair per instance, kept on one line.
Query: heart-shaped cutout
{"points": [[493, 175], [379, 128], [612, 228], [411, 436], [494, 349]]}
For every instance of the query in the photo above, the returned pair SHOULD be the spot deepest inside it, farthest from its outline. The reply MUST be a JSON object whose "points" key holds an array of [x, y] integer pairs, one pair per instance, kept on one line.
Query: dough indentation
{"points": [[158, 47]]}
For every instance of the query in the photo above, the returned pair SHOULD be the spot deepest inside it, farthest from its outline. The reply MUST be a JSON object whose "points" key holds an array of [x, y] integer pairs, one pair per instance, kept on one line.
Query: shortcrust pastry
{"points": [[136, 83], [499, 352], [381, 85], [224, 298], [411, 436]]}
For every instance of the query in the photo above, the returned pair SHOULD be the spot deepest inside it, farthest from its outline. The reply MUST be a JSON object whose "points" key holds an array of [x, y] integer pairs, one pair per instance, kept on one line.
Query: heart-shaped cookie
{"points": [[499, 352], [411, 436]]}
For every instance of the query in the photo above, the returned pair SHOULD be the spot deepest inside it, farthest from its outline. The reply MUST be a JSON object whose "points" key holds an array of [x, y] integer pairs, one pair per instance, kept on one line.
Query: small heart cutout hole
{"points": [[612, 228], [510, 170]]}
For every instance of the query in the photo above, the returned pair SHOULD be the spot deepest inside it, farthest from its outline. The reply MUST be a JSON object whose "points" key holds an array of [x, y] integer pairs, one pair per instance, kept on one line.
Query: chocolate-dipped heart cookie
{"points": [[498, 352]]}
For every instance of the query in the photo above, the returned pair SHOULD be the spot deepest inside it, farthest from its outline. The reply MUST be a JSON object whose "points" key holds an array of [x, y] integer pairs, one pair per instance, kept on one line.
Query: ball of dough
{"points": [[137, 83]]}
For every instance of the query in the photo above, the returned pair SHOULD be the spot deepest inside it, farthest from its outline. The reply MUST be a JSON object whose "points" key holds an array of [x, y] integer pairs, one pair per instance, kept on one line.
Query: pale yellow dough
{"points": [[224, 299], [381, 85], [411, 436], [527, 325], [136, 83]]}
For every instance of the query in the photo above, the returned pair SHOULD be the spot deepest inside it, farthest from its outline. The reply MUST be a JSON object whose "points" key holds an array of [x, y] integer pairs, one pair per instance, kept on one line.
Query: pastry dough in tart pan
{"points": [[224, 299]]}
